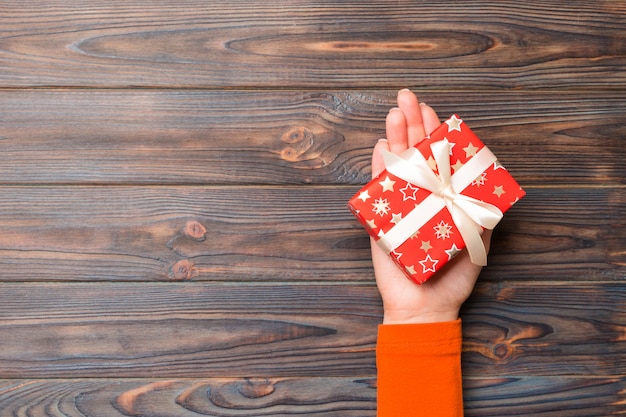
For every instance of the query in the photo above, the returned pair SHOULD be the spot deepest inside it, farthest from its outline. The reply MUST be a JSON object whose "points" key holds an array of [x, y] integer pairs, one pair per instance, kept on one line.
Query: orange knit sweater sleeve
{"points": [[419, 370]]}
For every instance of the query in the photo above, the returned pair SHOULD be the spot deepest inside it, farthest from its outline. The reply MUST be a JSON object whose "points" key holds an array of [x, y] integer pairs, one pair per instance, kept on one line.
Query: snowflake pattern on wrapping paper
{"points": [[381, 207], [443, 230]]}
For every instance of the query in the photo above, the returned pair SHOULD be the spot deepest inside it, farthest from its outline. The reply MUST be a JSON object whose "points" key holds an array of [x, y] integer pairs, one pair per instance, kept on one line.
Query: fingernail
{"points": [[382, 140], [404, 89], [423, 104], [394, 109]]}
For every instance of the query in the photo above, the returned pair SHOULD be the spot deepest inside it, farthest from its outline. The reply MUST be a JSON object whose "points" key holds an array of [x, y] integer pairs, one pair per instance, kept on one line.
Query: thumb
{"points": [[378, 165]]}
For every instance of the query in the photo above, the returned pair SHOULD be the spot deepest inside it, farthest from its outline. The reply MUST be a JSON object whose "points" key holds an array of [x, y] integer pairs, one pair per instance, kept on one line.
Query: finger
{"points": [[408, 103], [429, 118], [377, 158], [396, 131]]}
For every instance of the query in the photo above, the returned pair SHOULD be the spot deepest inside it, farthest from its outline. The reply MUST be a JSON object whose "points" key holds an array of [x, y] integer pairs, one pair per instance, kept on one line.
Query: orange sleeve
{"points": [[419, 370]]}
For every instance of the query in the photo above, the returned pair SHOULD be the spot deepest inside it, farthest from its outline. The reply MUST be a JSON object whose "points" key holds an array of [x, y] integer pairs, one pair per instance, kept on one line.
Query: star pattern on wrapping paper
{"points": [[498, 165], [414, 235], [364, 196], [371, 224], [398, 255], [429, 264], [409, 192], [457, 165], [426, 246], [453, 251], [443, 230], [454, 123], [480, 180], [451, 145], [410, 269], [499, 190], [396, 218], [381, 207], [387, 184], [470, 150]]}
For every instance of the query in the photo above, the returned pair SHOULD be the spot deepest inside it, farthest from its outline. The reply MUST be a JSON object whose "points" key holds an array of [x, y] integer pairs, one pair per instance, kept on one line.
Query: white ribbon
{"points": [[469, 214]]}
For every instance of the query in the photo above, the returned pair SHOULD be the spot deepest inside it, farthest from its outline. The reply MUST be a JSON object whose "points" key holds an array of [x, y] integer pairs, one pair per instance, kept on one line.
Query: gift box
{"points": [[435, 199]]}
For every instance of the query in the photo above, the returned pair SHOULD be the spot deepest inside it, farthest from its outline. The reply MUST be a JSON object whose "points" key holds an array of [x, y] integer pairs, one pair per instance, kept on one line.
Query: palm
{"points": [[441, 295]]}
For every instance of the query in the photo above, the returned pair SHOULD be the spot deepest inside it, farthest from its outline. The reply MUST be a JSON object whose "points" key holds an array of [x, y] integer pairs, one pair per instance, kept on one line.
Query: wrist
{"points": [[412, 317]]}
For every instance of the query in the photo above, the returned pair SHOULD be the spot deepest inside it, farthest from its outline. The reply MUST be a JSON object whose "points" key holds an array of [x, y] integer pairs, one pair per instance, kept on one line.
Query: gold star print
{"points": [[371, 224], [426, 245], [470, 150], [395, 218], [498, 165], [387, 184], [454, 123], [457, 165], [480, 180], [452, 252], [443, 230], [451, 145], [410, 269], [364, 196], [499, 190], [414, 235]]}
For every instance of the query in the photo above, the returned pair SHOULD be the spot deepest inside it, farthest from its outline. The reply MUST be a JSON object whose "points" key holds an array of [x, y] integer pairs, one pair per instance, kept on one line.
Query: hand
{"points": [[440, 298]]}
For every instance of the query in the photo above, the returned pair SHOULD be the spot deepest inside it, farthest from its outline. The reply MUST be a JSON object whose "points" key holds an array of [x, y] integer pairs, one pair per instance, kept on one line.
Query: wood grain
{"points": [[174, 237], [195, 330], [226, 137], [473, 45], [510, 328], [277, 234], [551, 397], [254, 397]]}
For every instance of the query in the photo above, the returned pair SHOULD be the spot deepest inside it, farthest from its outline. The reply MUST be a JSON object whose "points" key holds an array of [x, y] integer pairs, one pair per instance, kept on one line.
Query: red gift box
{"points": [[435, 199]]}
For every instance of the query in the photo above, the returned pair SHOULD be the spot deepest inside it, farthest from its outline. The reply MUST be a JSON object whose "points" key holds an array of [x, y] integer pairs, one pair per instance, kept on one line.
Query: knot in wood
{"points": [[184, 270], [289, 154], [296, 134], [256, 388], [195, 230], [501, 350], [300, 140]]}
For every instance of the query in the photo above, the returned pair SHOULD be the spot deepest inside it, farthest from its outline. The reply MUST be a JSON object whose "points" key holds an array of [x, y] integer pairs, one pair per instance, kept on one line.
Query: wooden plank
{"points": [[253, 397], [517, 329], [479, 44], [193, 330], [277, 234], [550, 397], [235, 137]]}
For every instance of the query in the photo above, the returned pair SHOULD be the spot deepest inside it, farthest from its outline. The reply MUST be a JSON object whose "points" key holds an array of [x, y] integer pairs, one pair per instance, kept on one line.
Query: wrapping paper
{"points": [[435, 199]]}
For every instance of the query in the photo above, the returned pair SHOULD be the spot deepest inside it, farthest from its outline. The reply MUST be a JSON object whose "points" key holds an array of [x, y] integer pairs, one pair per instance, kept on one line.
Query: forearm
{"points": [[419, 370]]}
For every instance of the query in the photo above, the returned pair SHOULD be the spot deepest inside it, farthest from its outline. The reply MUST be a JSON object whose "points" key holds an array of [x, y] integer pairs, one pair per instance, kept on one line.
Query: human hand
{"points": [[440, 298]]}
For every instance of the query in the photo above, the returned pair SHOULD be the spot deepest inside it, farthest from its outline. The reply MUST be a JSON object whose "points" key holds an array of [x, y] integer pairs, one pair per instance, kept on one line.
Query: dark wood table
{"points": [[174, 236]]}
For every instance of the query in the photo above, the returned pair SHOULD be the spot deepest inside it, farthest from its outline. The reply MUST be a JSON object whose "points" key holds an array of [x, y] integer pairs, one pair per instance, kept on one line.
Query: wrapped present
{"points": [[435, 199]]}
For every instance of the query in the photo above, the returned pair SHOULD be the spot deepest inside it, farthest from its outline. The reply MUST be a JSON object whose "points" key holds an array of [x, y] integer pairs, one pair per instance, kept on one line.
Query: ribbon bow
{"points": [[469, 214]]}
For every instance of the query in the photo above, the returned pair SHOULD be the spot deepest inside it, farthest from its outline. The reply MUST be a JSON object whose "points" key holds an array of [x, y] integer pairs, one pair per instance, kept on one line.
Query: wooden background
{"points": [[174, 237]]}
